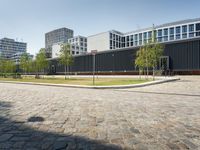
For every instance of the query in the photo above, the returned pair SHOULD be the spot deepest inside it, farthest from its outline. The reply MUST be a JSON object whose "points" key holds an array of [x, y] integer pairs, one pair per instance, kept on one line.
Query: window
{"points": [[198, 29], [145, 35], [136, 39], [111, 36], [178, 30], [171, 37], [165, 32], [191, 34], [184, 29], [149, 34], [140, 39], [117, 44], [191, 28], [171, 31], [178, 36], [159, 32], [127, 44], [127, 38], [123, 39], [140, 36], [131, 43], [131, 37], [116, 37]]}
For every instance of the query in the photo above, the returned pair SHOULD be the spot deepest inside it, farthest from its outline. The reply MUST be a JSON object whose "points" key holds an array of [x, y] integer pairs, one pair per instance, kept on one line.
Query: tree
{"points": [[65, 57], [1, 64], [155, 52], [41, 62], [25, 61], [9, 66], [148, 55], [140, 60]]}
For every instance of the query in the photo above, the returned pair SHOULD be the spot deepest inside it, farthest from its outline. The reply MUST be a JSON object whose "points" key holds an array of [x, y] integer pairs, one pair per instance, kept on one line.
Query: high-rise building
{"points": [[9, 47], [56, 36]]}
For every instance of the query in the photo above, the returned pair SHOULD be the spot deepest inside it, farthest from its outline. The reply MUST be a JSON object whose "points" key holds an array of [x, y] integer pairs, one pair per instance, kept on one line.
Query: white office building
{"points": [[175, 31], [78, 46]]}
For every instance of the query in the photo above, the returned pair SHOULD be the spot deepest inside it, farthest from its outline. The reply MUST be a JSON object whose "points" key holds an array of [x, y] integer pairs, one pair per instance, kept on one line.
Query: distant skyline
{"points": [[31, 19]]}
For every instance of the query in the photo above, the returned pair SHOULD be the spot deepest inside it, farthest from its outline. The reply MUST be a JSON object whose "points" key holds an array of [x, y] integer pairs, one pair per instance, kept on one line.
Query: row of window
{"points": [[166, 34], [76, 39], [79, 48]]}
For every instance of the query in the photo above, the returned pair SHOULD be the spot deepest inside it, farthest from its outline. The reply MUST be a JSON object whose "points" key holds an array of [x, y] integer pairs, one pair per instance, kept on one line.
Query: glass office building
{"points": [[57, 36]]}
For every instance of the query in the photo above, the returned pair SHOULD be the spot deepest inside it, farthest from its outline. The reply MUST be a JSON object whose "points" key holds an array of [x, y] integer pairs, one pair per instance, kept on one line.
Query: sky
{"points": [[29, 20]]}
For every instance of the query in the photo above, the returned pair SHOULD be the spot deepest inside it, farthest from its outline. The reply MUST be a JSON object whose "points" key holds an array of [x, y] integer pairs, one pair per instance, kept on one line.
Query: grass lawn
{"points": [[81, 81]]}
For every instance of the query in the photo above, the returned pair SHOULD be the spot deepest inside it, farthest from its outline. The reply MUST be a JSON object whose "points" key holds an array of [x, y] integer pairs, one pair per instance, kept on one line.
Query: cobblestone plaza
{"points": [[157, 117]]}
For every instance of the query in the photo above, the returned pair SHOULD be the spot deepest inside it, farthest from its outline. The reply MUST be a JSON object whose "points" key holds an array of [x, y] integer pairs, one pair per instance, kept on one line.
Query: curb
{"points": [[96, 87]]}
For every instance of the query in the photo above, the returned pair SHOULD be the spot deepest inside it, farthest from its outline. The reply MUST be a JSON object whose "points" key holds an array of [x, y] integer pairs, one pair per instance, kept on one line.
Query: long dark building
{"points": [[181, 54]]}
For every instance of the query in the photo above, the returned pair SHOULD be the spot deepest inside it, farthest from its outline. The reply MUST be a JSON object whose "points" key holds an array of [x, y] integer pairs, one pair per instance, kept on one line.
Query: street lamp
{"points": [[94, 53], [113, 62]]}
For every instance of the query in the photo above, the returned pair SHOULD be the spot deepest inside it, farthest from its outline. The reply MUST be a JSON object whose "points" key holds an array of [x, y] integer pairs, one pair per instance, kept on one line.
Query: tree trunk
{"points": [[139, 73], [153, 73], [43, 73], [68, 71], [65, 72]]}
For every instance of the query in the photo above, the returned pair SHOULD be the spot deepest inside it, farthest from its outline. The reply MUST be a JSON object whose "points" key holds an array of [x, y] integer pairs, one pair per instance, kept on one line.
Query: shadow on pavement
{"points": [[17, 135]]}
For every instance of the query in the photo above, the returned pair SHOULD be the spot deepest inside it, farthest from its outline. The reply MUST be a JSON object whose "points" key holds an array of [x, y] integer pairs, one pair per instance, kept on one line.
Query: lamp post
{"points": [[94, 53], [113, 62]]}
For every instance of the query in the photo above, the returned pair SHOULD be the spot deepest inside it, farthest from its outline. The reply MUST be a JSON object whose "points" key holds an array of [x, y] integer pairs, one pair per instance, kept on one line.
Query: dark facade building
{"points": [[181, 53]]}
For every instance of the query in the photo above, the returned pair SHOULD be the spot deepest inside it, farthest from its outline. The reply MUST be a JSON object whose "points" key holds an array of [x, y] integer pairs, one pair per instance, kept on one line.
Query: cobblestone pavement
{"points": [[165, 116]]}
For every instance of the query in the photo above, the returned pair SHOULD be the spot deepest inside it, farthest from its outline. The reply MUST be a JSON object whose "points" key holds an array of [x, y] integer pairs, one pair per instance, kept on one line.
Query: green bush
{"points": [[10, 75]]}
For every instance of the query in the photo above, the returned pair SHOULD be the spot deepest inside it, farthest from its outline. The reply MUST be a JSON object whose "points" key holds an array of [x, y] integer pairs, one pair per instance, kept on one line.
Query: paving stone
{"points": [[60, 145], [134, 130], [5, 137], [190, 144], [164, 116], [141, 147], [18, 145]]}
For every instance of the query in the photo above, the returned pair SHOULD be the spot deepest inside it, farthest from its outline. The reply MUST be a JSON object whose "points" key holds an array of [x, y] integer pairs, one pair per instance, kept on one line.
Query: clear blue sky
{"points": [[31, 19]]}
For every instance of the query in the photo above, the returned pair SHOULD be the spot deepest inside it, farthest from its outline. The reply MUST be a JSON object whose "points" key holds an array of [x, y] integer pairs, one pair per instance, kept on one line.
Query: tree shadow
{"points": [[16, 135]]}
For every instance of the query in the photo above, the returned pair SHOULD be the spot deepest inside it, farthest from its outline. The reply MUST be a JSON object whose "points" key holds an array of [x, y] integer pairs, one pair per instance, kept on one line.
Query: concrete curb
{"points": [[97, 87]]}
